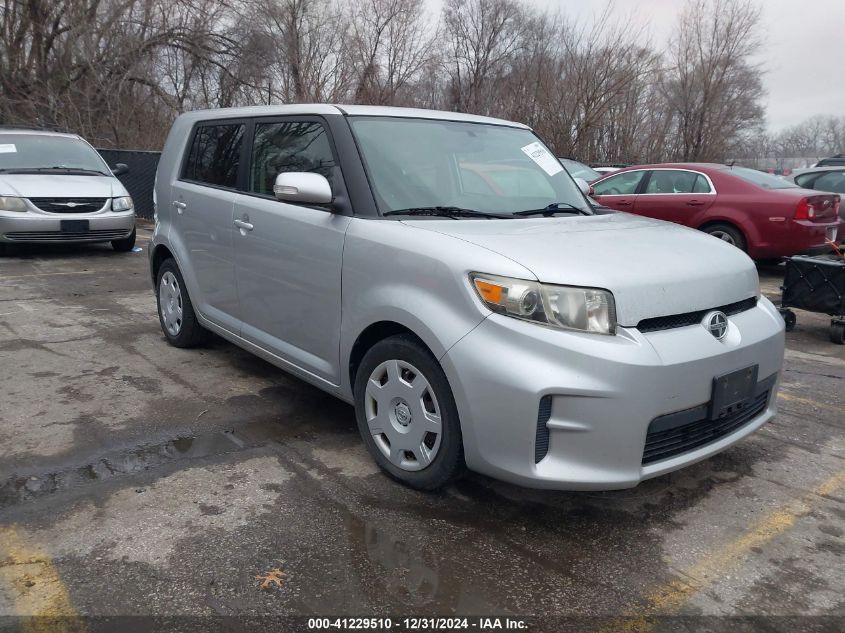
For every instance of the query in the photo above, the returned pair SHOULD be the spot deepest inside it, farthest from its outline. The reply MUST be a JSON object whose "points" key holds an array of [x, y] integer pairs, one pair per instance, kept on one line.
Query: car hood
{"points": [[60, 186], [653, 268]]}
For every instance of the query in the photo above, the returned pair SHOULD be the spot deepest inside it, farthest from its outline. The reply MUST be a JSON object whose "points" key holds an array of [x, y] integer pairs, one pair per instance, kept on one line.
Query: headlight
{"points": [[566, 307], [121, 204], [7, 203]]}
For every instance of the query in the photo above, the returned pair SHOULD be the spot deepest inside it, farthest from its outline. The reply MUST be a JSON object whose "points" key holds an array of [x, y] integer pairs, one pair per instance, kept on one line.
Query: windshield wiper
{"points": [[555, 207], [70, 169], [446, 212]]}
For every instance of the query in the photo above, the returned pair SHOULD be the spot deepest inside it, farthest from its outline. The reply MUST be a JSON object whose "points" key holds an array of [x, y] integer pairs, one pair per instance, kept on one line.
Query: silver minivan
{"points": [[56, 188], [446, 275]]}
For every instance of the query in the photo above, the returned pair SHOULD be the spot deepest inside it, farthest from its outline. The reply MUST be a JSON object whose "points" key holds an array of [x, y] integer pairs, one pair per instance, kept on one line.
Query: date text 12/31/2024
{"points": [[418, 624]]}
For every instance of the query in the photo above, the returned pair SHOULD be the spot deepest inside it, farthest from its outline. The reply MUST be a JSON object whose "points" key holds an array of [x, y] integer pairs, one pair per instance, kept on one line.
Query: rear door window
{"points": [[833, 181], [676, 182], [624, 184], [215, 155]]}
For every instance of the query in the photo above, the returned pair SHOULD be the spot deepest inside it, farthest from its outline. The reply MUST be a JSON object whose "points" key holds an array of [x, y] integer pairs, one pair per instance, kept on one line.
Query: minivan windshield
{"points": [[463, 169], [37, 153]]}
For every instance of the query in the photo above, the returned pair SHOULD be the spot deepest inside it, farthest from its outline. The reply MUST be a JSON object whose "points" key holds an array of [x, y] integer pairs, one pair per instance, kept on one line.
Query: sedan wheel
{"points": [[724, 237], [170, 303], [727, 233]]}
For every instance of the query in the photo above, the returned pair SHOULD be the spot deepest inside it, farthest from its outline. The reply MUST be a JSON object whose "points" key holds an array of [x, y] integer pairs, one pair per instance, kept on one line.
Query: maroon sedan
{"points": [[765, 215]]}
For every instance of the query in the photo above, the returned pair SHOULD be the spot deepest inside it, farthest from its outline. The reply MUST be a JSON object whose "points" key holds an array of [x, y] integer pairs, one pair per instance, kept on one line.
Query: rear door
{"points": [[619, 191], [675, 195], [203, 200], [289, 262]]}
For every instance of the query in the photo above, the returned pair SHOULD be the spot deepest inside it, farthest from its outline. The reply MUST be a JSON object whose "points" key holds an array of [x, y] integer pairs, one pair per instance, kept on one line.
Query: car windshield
{"points": [[47, 152], [580, 170], [761, 179], [434, 164]]}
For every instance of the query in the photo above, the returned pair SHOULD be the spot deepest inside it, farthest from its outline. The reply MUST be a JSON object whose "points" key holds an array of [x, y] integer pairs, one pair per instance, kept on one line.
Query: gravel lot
{"points": [[139, 479]]}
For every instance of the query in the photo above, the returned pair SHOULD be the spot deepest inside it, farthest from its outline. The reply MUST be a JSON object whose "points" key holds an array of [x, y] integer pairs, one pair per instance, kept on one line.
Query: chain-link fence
{"points": [[139, 179]]}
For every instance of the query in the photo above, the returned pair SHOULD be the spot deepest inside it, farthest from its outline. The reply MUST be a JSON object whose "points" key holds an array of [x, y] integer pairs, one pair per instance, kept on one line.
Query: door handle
{"points": [[244, 226], [694, 203], [180, 206], [623, 203]]}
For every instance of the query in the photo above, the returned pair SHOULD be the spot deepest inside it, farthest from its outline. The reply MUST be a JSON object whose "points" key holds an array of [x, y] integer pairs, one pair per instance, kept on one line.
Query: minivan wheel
{"points": [[175, 311], [124, 245], [726, 233], [407, 415]]}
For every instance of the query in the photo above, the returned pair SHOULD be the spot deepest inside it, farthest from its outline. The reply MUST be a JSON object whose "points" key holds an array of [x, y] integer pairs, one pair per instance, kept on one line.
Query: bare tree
{"points": [[711, 84]]}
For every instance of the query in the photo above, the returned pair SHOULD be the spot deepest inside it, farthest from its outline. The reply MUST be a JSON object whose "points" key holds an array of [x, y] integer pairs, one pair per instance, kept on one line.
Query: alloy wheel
{"points": [[724, 236]]}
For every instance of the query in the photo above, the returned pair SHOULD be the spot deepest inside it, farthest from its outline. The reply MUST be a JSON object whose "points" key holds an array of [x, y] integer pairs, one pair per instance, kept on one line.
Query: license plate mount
{"points": [[73, 226], [733, 391]]}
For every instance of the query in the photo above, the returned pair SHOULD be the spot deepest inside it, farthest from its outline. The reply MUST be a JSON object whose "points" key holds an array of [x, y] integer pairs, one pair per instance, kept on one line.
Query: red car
{"points": [[765, 215]]}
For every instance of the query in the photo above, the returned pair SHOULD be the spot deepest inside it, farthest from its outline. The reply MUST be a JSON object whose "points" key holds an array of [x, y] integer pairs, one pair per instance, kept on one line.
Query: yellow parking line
{"points": [[667, 598], [812, 403], [70, 272], [31, 579]]}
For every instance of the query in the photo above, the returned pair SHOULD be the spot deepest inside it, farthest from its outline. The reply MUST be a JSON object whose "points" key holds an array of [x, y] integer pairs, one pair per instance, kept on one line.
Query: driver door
{"points": [[619, 191]]}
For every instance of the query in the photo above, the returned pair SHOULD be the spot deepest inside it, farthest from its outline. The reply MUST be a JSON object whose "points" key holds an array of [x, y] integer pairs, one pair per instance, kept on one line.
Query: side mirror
{"points": [[119, 169], [303, 187], [584, 186]]}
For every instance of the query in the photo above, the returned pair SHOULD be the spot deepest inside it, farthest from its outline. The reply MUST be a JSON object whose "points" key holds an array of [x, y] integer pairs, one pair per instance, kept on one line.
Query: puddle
{"points": [[17, 488]]}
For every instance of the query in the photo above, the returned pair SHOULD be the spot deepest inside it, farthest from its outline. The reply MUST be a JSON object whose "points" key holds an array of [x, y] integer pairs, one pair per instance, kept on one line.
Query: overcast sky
{"points": [[802, 48]]}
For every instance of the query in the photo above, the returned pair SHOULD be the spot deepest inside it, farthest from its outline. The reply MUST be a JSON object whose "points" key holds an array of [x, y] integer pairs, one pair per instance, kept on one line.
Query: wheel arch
{"points": [[731, 223], [159, 255], [373, 334]]}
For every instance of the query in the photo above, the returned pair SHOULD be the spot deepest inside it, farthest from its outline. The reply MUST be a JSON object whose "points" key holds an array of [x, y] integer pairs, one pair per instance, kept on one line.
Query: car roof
{"points": [[350, 110], [18, 131], [813, 170], [699, 166]]}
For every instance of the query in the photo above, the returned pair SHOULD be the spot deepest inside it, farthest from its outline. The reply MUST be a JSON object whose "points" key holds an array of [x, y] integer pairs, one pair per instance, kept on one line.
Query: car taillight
{"points": [[804, 210]]}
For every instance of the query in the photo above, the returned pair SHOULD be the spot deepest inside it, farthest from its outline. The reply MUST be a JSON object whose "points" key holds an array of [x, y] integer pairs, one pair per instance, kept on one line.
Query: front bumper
{"points": [[604, 391], [34, 228]]}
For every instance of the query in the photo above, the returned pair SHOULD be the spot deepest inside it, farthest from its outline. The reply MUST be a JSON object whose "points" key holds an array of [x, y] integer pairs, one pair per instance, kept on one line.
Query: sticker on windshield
{"points": [[540, 155], [8, 148]]}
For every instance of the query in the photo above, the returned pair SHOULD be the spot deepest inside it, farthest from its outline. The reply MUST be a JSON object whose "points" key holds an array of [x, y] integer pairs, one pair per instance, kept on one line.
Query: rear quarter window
{"points": [[214, 154]]}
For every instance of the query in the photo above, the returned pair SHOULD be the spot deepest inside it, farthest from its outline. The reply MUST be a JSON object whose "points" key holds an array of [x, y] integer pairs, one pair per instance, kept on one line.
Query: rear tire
{"points": [[727, 233], [175, 311], [837, 333], [407, 415], [124, 245]]}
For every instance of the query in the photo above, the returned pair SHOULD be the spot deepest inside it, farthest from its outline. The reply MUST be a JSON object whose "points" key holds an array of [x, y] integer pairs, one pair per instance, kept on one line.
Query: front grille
{"points": [[692, 318], [683, 431], [541, 441], [69, 205], [61, 236]]}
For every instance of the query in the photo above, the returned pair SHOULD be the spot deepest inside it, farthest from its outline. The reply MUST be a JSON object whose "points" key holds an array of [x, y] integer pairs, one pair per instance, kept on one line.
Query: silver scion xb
{"points": [[56, 188], [445, 274]]}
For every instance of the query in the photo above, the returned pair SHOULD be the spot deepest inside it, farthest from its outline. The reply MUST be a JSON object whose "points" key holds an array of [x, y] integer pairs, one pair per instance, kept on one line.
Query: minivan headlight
{"points": [[565, 307], [8, 203], [121, 204]]}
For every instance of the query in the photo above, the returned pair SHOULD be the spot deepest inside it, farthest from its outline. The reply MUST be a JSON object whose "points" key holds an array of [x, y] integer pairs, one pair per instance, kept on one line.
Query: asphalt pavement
{"points": [[137, 479]]}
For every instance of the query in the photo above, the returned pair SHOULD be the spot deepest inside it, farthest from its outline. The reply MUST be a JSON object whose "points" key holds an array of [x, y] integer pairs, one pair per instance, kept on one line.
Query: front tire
{"points": [[175, 311], [124, 245], [727, 233], [407, 415]]}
